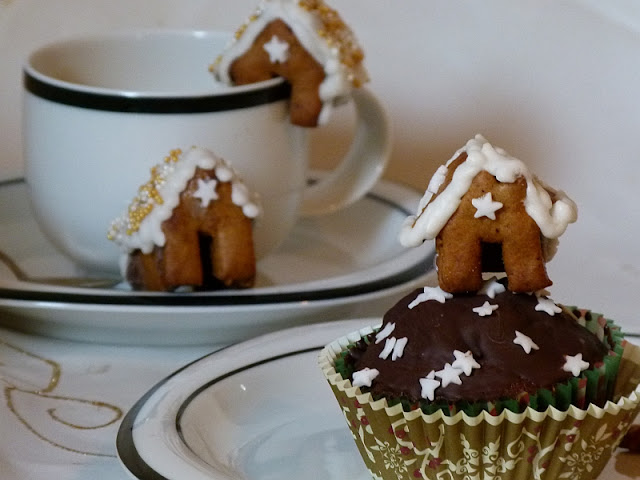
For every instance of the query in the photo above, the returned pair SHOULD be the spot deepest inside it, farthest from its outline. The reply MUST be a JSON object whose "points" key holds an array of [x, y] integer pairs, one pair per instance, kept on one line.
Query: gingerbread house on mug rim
{"points": [[304, 41], [488, 212], [190, 225]]}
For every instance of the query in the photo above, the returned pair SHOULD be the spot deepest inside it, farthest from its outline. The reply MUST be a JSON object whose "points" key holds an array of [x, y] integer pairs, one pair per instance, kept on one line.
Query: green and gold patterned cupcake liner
{"points": [[572, 443]]}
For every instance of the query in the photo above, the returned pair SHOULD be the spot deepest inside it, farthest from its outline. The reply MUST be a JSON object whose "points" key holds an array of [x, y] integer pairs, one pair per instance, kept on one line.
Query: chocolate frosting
{"points": [[434, 330]]}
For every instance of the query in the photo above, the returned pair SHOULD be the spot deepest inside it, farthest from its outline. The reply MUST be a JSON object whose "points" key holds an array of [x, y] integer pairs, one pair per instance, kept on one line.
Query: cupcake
{"points": [[484, 375]]}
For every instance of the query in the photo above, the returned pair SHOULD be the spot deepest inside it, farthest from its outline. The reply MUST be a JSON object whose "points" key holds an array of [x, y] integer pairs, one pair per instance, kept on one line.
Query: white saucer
{"points": [[238, 414], [332, 266], [259, 410]]}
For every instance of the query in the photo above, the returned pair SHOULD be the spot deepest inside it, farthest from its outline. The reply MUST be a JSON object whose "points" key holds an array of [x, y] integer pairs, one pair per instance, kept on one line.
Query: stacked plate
{"points": [[336, 266]]}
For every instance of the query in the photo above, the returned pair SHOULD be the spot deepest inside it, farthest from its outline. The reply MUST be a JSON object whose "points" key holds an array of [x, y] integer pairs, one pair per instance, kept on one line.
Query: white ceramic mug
{"points": [[100, 111]]}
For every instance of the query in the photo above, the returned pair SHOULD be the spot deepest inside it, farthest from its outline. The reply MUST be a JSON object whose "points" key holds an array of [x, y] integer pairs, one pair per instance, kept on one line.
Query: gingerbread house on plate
{"points": [[304, 41], [190, 225], [489, 213]]}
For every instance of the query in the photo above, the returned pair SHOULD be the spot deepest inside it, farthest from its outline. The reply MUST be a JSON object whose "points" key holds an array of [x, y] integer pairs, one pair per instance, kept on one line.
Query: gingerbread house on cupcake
{"points": [[488, 212], [191, 225], [307, 43]]}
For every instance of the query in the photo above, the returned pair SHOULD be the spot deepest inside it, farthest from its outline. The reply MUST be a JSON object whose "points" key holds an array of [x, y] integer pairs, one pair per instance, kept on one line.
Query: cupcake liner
{"points": [[573, 443]]}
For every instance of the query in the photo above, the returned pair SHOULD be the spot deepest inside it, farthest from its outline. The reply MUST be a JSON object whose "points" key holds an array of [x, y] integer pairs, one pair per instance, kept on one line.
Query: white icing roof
{"points": [[141, 226], [331, 45], [433, 212]]}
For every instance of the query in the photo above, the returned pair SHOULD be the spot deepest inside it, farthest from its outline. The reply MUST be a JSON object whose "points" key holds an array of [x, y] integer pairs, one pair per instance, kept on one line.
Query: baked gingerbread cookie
{"points": [[488, 213], [191, 225], [307, 43]]}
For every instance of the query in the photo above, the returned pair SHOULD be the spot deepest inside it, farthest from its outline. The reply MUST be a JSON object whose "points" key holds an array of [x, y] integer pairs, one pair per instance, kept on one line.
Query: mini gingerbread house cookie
{"points": [[488, 212], [307, 43], [190, 225]]}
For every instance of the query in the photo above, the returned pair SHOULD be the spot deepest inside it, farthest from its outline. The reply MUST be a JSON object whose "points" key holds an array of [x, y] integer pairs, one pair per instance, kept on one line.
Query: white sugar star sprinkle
{"points": [[388, 348], [385, 332], [485, 309], [525, 342], [431, 293], [574, 364], [465, 362], [491, 288], [364, 377], [449, 375], [398, 348], [548, 306], [277, 49], [206, 191], [429, 385], [485, 206]]}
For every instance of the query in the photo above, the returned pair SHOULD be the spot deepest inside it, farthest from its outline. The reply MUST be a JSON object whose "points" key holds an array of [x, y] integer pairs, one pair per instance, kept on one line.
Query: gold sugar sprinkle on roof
{"points": [[147, 198], [337, 34]]}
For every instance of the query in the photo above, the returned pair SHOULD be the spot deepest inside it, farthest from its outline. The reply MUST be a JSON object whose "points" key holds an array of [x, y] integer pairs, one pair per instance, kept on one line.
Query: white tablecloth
{"points": [[63, 403]]}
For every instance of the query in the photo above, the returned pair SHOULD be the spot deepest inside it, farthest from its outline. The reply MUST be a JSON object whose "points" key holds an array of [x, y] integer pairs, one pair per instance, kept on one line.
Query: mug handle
{"points": [[361, 167]]}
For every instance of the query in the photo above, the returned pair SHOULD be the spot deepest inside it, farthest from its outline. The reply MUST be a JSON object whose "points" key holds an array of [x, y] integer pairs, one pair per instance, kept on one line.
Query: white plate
{"points": [[259, 410], [256, 410], [329, 267]]}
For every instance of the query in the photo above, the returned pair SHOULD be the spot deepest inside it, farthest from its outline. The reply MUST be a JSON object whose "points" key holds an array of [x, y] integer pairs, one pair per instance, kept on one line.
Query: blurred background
{"points": [[554, 82]]}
